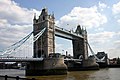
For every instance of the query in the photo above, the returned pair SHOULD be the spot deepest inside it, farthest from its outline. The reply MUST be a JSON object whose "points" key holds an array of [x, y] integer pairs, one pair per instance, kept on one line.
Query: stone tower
{"points": [[80, 44], [46, 43]]}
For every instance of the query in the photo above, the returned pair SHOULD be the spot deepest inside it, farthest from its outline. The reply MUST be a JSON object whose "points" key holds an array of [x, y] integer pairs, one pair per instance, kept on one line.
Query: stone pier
{"points": [[49, 66]]}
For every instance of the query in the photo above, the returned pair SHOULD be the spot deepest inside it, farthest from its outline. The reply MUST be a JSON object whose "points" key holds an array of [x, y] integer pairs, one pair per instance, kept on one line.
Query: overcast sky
{"points": [[100, 17]]}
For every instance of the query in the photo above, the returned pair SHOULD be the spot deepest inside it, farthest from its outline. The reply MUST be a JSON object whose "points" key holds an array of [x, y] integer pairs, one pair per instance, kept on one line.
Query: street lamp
{"points": [[62, 52]]}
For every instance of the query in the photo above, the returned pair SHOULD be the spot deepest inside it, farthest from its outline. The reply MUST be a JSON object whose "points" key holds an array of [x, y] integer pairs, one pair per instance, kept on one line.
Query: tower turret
{"points": [[34, 19], [78, 30]]}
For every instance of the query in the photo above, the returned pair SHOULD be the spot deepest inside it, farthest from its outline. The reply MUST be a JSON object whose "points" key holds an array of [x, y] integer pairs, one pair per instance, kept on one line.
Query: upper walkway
{"points": [[60, 32]]}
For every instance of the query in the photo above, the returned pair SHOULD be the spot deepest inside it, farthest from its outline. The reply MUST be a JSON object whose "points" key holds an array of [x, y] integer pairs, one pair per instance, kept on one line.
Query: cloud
{"points": [[114, 51], [13, 13], [116, 8], [89, 17], [116, 11], [102, 6], [106, 41], [100, 41], [15, 22], [118, 20], [119, 33], [101, 37]]}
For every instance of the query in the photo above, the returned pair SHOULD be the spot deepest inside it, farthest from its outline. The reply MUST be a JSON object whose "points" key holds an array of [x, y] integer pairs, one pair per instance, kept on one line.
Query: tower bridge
{"points": [[44, 32], [46, 44]]}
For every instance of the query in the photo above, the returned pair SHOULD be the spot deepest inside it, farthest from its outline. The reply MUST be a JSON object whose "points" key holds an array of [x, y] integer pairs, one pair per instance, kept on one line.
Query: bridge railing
{"points": [[67, 59], [3, 59], [69, 31], [19, 58], [15, 57], [14, 78]]}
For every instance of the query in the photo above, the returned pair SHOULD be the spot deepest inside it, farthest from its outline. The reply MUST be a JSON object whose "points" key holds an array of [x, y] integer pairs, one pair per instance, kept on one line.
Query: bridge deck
{"points": [[20, 59], [17, 59], [76, 60]]}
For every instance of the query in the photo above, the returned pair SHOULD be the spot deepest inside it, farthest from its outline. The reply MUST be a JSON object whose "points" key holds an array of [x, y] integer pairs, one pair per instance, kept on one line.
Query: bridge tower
{"points": [[46, 43], [80, 44], [44, 46]]}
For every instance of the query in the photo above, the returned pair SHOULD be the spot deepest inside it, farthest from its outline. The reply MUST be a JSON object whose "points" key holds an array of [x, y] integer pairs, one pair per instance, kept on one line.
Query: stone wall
{"points": [[54, 63]]}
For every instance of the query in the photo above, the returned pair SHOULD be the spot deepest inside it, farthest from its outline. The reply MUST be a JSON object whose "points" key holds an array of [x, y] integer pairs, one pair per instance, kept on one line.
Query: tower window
{"points": [[43, 17], [36, 21]]}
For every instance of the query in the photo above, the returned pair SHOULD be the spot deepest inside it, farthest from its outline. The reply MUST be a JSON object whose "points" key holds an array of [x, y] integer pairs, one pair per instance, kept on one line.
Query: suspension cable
{"points": [[38, 35], [41, 46], [93, 52], [16, 45]]}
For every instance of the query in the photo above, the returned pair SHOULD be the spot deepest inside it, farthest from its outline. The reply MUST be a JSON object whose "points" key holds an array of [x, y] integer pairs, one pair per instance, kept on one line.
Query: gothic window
{"points": [[50, 41], [51, 35], [51, 27], [43, 17], [36, 21], [50, 50], [78, 46]]}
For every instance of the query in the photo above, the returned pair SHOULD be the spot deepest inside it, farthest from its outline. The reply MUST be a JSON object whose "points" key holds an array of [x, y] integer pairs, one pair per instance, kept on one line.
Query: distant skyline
{"points": [[100, 17]]}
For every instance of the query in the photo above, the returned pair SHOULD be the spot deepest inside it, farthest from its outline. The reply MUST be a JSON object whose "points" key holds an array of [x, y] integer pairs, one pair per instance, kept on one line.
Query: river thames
{"points": [[102, 74]]}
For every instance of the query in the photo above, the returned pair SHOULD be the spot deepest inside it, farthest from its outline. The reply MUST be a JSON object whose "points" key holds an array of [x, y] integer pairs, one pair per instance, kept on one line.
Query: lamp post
{"points": [[66, 53], [62, 52]]}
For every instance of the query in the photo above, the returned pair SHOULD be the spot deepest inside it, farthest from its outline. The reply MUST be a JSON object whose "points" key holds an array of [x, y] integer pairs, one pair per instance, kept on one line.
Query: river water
{"points": [[102, 74]]}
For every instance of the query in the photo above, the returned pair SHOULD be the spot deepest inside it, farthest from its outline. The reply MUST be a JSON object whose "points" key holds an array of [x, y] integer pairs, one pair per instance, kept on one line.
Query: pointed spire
{"points": [[45, 11], [53, 15], [85, 30], [82, 28], [78, 30], [34, 15]]}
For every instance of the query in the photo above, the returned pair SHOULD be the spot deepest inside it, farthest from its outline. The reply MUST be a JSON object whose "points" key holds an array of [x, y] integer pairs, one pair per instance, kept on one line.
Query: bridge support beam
{"points": [[49, 66]]}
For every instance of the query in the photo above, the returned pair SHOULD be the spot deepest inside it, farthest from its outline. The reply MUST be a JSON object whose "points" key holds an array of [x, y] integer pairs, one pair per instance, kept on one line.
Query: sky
{"points": [[101, 18]]}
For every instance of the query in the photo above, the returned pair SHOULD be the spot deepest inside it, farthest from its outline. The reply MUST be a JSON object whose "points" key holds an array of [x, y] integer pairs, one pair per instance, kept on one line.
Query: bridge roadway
{"points": [[21, 59], [60, 32]]}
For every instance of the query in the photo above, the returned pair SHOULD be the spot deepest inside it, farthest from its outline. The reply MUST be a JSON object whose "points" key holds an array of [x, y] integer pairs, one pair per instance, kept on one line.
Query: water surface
{"points": [[102, 74]]}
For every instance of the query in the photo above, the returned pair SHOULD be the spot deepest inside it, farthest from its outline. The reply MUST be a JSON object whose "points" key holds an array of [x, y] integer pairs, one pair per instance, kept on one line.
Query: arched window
{"points": [[40, 53], [43, 17]]}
